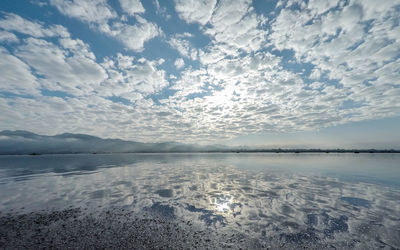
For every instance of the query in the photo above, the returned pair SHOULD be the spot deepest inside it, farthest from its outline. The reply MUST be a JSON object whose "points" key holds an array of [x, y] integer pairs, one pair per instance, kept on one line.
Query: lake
{"points": [[226, 200]]}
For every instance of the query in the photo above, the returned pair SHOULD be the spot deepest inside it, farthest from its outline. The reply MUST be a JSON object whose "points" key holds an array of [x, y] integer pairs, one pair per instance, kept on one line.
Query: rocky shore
{"points": [[117, 229]]}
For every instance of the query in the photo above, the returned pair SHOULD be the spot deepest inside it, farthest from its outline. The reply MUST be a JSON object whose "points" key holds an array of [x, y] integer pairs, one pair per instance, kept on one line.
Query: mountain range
{"points": [[24, 142], [21, 142]]}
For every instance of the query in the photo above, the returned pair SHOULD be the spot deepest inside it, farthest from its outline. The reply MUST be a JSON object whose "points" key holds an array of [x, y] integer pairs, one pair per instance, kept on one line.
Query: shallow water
{"points": [[341, 200]]}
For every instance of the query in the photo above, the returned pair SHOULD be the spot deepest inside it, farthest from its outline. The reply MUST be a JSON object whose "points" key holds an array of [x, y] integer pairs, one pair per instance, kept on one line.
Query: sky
{"points": [[262, 72]]}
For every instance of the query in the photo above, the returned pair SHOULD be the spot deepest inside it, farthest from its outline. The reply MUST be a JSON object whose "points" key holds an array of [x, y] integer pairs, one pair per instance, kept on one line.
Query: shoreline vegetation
{"points": [[276, 151]]}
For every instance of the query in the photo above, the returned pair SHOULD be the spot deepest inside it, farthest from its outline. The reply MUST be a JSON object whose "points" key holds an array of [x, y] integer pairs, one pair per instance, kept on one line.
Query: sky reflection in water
{"points": [[290, 197]]}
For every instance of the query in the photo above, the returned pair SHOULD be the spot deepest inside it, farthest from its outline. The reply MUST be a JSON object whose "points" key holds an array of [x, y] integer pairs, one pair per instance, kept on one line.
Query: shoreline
{"points": [[269, 151]]}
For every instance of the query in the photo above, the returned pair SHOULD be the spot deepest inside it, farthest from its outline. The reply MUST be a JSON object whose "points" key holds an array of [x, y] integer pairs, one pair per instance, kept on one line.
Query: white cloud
{"points": [[131, 78], [184, 35], [8, 37], [227, 13], [16, 76], [161, 61], [60, 69], [195, 11], [179, 63], [242, 34], [13, 22], [321, 6], [183, 46], [77, 46], [191, 81], [39, 3], [344, 48], [235, 25], [161, 10], [377, 10], [92, 11], [232, 26], [132, 7], [239, 85], [134, 36], [102, 17], [241, 89]]}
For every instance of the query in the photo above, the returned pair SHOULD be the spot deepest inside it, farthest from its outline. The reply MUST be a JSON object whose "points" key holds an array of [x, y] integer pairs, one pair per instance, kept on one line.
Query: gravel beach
{"points": [[120, 229], [117, 229]]}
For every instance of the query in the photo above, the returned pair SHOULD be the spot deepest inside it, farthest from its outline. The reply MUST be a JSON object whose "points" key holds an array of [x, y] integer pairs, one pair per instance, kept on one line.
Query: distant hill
{"points": [[24, 142]]}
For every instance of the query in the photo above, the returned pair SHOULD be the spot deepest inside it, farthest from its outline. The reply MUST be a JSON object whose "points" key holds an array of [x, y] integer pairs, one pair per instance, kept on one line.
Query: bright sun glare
{"points": [[223, 203]]}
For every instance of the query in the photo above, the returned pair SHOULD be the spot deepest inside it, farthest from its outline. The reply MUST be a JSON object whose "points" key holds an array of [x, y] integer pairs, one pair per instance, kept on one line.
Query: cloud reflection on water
{"points": [[268, 203]]}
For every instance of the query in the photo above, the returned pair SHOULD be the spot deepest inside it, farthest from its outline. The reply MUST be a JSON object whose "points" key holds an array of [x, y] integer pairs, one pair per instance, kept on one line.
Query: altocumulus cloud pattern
{"points": [[196, 70]]}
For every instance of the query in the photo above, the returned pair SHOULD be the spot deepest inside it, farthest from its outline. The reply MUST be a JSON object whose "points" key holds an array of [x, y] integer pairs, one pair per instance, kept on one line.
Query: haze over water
{"points": [[341, 200]]}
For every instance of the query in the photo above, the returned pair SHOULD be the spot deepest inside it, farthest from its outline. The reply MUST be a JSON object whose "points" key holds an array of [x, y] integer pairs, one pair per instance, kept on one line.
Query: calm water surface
{"points": [[351, 198]]}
